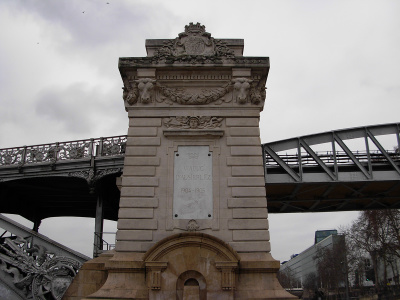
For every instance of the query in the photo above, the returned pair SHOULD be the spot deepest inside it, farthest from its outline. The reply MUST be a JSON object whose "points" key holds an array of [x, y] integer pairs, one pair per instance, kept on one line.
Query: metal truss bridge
{"points": [[351, 169], [323, 172]]}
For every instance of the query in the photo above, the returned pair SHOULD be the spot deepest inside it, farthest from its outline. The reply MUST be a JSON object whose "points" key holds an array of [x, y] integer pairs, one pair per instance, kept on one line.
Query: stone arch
{"points": [[191, 240], [195, 258]]}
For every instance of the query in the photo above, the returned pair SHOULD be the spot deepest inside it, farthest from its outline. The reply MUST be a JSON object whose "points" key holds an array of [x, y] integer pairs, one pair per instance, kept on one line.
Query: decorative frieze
{"points": [[190, 122], [148, 90], [129, 62]]}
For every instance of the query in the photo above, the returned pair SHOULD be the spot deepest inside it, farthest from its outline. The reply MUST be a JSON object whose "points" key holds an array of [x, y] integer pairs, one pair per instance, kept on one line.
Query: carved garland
{"points": [[147, 90]]}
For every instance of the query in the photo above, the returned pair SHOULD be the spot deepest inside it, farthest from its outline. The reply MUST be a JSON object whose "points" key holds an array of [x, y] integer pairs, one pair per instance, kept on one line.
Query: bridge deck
{"points": [[66, 179]]}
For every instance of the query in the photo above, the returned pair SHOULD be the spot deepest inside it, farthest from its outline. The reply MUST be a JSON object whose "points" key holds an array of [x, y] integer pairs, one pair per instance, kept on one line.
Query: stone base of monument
{"points": [[182, 266]]}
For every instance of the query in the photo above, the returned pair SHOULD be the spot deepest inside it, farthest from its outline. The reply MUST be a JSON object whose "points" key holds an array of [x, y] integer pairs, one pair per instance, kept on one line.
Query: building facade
{"points": [[301, 265]]}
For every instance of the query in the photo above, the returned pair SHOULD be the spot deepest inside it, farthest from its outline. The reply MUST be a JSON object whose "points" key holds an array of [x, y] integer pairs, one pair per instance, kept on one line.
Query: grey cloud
{"points": [[95, 23], [76, 107]]}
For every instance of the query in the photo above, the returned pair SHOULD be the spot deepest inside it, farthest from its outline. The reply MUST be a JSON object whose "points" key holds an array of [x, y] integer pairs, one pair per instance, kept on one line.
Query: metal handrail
{"points": [[102, 245], [71, 150], [328, 157]]}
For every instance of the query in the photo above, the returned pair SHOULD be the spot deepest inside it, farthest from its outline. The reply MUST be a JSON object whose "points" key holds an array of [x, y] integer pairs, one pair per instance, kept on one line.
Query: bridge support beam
{"points": [[98, 226]]}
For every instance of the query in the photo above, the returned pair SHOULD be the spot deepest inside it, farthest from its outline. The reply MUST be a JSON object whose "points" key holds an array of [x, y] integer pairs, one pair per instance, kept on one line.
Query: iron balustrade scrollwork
{"points": [[34, 271], [55, 152]]}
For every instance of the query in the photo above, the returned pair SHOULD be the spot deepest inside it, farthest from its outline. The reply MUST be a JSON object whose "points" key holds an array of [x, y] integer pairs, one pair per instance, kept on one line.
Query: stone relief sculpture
{"points": [[192, 225], [193, 46], [244, 91], [241, 87], [130, 93], [146, 90], [193, 122], [38, 274], [195, 41]]}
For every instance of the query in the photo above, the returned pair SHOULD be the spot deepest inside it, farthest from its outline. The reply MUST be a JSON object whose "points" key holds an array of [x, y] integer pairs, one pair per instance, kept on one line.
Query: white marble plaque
{"points": [[193, 183]]}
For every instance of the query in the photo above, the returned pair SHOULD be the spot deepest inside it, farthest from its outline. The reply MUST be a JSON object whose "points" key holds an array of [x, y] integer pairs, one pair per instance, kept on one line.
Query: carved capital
{"points": [[154, 269], [228, 270]]}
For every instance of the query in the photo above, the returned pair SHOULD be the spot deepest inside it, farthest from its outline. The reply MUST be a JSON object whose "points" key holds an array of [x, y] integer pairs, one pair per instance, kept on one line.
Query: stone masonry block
{"points": [[140, 181], [148, 72], [142, 161], [245, 181], [243, 141], [245, 122], [143, 141], [138, 202], [241, 72], [248, 191], [132, 224], [137, 191], [245, 131], [248, 171], [248, 224], [135, 213], [246, 150], [250, 213], [145, 122], [140, 151], [251, 235], [142, 131], [139, 171], [137, 235], [245, 161], [245, 202], [128, 246], [251, 246]]}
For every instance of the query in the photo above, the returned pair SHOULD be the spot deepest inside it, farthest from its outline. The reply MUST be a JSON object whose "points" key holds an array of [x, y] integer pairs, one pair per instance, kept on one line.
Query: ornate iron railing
{"points": [[55, 152]]}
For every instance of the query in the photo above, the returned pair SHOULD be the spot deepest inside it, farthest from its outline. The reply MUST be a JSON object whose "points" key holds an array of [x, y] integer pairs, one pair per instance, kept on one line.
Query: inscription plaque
{"points": [[193, 183]]}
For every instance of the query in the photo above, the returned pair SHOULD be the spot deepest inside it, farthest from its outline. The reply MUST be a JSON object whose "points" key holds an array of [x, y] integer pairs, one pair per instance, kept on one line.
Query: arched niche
{"points": [[191, 259], [191, 285]]}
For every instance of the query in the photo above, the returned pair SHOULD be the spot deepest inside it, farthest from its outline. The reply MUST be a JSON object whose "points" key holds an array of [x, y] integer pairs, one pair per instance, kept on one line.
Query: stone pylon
{"points": [[193, 218]]}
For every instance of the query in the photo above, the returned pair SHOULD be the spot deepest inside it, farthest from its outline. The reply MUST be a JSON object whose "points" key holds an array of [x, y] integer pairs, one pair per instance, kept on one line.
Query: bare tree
{"points": [[375, 233], [332, 265]]}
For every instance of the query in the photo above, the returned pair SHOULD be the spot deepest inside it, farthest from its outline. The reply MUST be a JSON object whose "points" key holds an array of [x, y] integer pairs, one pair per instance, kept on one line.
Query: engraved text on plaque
{"points": [[193, 183]]}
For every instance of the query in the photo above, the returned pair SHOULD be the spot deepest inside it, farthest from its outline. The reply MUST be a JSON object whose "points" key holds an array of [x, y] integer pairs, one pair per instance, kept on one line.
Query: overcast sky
{"points": [[334, 64]]}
